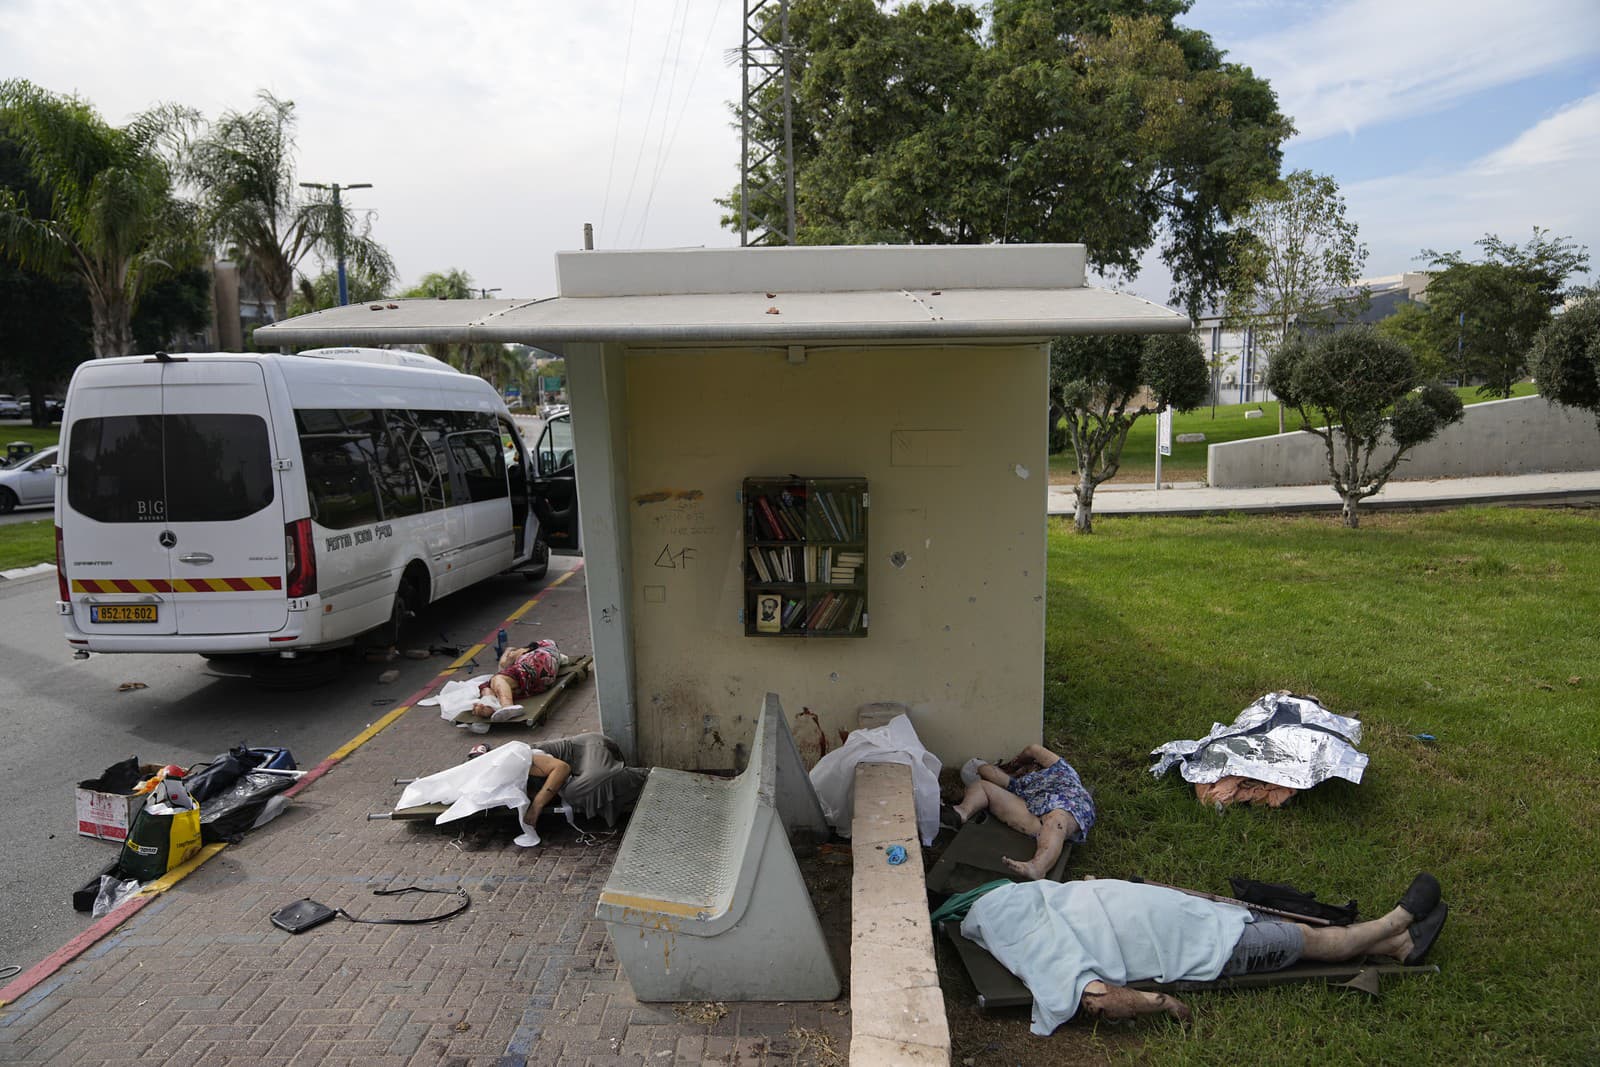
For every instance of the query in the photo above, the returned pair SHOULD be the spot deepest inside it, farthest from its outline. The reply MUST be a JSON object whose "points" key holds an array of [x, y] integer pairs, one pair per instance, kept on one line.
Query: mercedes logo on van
{"points": [[168, 539]]}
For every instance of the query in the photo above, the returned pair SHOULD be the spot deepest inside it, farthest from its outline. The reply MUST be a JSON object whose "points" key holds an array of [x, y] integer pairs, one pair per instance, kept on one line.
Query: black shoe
{"points": [[1422, 896], [1424, 932], [950, 817]]}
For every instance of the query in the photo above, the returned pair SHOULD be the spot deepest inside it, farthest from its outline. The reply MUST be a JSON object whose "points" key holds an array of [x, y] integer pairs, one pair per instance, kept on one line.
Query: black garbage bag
{"points": [[1286, 897], [117, 778], [230, 814], [218, 776]]}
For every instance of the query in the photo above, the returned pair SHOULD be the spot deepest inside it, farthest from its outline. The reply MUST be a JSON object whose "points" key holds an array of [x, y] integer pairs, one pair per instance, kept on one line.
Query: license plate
{"points": [[122, 613]]}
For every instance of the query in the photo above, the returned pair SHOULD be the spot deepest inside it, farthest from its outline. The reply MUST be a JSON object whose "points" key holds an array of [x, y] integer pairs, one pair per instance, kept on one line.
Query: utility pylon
{"points": [[766, 169]]}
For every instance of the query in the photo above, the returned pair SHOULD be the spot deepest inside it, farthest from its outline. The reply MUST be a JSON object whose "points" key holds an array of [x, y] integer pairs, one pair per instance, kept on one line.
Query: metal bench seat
{"points": [[705, 900]]}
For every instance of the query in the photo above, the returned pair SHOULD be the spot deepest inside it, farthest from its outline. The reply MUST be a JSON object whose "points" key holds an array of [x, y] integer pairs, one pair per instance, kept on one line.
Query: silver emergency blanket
{"points": [[1281, 738]]}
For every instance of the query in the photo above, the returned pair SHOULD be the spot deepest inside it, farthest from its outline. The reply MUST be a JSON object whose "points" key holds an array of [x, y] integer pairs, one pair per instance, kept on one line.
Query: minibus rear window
{"points": [[169, 468]]}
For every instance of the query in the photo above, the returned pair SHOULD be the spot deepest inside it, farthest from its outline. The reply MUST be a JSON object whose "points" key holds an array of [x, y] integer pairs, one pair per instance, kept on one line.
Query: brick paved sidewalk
{"points": [[526, 975]]}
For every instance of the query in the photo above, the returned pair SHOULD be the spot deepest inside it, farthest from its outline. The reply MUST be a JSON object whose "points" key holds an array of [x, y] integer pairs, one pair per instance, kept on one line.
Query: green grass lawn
{"points": [[35, 436], [1478, 626], [1188, 461], [22, 544]]}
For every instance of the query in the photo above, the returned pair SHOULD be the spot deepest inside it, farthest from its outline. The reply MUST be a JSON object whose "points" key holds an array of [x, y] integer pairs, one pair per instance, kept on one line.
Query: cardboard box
{"points": [[108, 816]]}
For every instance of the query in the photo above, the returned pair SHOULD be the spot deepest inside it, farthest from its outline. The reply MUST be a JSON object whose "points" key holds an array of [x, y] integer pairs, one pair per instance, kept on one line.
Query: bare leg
{"points": [[1054, 829], [1009, 807], [1120, 1002], [500, 686], [976, 798], [1386, 936]]}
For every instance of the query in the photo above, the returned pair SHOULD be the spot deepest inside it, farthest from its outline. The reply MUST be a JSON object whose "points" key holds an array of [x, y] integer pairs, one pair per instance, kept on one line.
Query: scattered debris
{"points": [[773, 311], [128, 687], [388, 676], [705, 1013], [814, 1046], [417, 653]]}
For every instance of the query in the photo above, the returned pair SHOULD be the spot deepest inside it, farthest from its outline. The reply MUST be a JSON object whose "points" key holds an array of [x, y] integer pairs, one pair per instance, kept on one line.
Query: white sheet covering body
{"points": [[834, 776], [1057, 937], [497, 778], [456, 699]]}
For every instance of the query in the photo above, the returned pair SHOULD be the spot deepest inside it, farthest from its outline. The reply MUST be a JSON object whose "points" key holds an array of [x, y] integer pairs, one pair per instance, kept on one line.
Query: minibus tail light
{"points": [[300, 559], [61, 568]]}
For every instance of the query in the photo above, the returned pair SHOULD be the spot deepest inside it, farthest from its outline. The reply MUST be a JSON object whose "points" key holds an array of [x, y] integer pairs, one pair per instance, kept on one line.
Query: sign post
{"points": [[1163, 439]]}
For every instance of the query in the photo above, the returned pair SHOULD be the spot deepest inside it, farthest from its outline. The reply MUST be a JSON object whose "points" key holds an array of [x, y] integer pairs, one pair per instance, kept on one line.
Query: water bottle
{"points": [[500, 643]]}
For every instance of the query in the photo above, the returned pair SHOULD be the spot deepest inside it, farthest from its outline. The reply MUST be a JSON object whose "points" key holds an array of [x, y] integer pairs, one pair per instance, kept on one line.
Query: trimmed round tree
{"points": [[1106, 383], [1361, 392], [1566, 358]]}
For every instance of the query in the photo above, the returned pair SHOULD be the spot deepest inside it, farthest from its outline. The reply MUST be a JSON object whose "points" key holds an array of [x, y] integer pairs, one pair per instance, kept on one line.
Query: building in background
{"points": [[1239, 355]]}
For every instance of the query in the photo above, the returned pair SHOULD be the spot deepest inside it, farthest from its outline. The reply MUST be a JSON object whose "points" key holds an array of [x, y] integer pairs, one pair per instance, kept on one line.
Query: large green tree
{"points": [[1106, 383], [1364, 394], [44, 321], [1483, 316], [1050, 120], [113, 221], [1296, 259], [244, 168]]}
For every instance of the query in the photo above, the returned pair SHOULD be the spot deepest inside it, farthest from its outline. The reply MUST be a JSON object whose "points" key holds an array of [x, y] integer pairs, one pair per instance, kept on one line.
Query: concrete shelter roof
{"points": [[766, 296]]}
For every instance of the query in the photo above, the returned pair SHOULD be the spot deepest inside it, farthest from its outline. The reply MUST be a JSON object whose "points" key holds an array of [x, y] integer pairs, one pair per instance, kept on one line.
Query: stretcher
{"points": [[999, 988], [976, 856], [533, 709]]}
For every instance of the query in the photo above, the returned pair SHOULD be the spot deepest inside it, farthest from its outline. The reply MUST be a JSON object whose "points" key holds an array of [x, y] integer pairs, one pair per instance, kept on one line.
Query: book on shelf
{"points": [[775, 529], [769, 607], [760, 565], [842, 576], [791, 613], [855, 615]]}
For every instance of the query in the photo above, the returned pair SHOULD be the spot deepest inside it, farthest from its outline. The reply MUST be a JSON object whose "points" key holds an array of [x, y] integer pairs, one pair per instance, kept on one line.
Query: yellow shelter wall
{"points": [[952, 443]]}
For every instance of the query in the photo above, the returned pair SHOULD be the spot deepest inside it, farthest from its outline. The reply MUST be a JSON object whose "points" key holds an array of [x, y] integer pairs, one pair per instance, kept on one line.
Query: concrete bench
{"points": [[705, 900], [896, 1007]]}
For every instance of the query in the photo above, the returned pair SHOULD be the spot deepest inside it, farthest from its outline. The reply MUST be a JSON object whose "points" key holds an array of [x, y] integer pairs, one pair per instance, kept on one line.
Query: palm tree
{"points": [[244, 169], [452, 284], [113, 220]]}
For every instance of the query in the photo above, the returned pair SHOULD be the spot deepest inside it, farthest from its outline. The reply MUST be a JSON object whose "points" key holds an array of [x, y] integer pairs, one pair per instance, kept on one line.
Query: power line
{"points": [[616, 130], [655, 93], [682, 110]]}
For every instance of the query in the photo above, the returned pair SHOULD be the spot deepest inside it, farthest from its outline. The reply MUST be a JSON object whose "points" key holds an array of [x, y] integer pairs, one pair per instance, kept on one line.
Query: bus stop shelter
{"points": [[920, 370]]}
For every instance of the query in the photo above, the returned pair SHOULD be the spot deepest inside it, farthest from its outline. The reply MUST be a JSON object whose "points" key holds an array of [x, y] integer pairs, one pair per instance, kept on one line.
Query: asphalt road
{"points": [[62, 720]]}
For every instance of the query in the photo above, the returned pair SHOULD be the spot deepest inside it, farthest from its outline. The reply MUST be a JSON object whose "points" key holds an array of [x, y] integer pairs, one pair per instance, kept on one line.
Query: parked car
{"points": [[9, 408], [53, 406], [30, 482]]}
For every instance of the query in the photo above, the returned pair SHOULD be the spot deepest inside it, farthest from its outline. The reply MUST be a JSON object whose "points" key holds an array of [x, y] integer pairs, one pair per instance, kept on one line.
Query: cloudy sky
{"points": [[492, 133]]}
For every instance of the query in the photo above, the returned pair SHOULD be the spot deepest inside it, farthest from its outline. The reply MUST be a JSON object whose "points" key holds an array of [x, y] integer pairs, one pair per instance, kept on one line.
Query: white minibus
{"points": [[228, 503]]}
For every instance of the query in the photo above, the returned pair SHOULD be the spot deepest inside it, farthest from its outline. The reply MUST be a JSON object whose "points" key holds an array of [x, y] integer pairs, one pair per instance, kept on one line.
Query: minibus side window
{"points": [[477, 455], [423, 442], [338, 471], [398, 492]]}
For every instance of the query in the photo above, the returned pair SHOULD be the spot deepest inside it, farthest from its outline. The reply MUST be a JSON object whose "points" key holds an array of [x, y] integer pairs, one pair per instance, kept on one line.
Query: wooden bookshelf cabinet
{"points": [[805, 559]]}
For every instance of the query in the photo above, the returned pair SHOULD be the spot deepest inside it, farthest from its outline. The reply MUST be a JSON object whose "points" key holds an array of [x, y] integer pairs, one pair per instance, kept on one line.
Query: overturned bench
{"points": [[705, 900]]}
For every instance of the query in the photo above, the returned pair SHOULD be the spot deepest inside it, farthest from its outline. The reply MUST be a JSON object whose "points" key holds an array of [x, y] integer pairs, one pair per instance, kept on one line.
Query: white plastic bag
{"points": [[113, 893], [834, 776], [498, 778]]}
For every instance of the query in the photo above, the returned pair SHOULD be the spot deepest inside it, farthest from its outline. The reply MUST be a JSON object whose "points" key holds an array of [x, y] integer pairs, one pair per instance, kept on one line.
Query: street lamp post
{"points": [[338, 229]]}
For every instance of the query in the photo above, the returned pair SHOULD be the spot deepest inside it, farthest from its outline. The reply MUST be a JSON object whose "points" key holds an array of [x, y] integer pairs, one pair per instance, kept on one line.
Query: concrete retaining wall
{"points": [[1523, 435]]}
